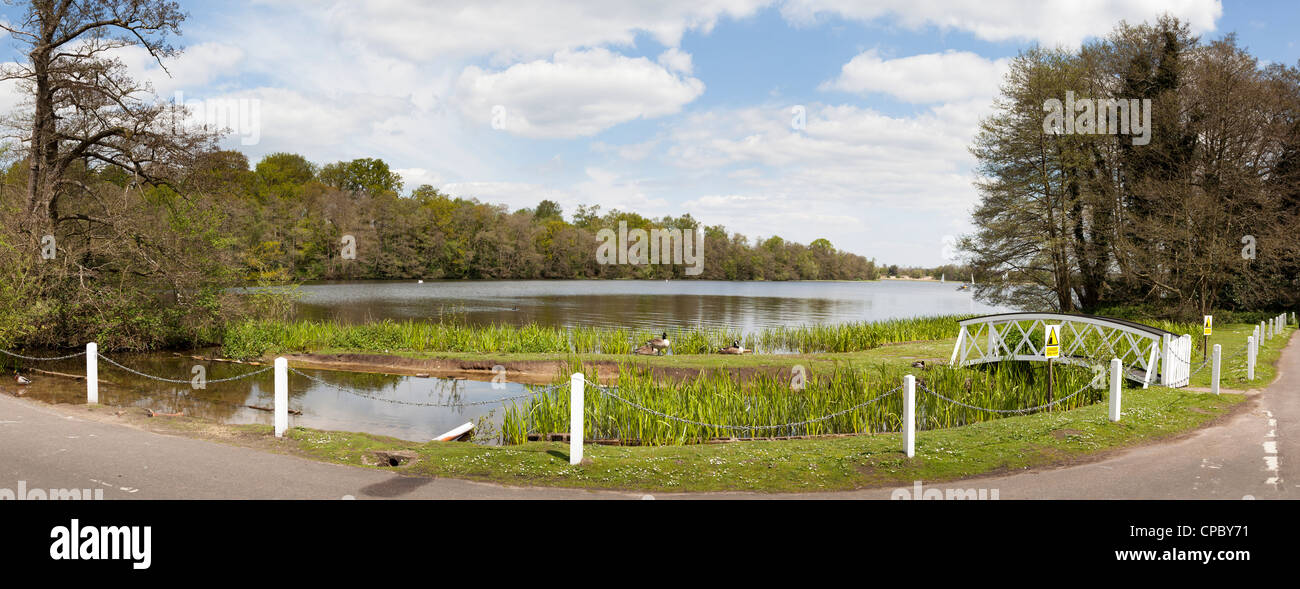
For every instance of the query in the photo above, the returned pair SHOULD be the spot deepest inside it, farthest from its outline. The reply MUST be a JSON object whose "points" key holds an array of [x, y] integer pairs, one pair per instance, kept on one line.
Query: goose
{"points": [[918, 364], [735, 348], [22, 380], [660, 343], [646, 350]]}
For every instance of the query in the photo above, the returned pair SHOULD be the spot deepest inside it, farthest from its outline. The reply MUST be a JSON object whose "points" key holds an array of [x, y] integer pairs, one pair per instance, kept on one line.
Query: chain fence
{"points": [[611, 393], [37, 359], [187, 380], [350, 391]]}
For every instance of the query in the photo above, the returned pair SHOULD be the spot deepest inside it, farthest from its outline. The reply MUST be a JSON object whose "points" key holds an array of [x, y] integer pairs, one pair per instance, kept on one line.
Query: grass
{"points": [[837, 464], [765, 399], [249, 339]]}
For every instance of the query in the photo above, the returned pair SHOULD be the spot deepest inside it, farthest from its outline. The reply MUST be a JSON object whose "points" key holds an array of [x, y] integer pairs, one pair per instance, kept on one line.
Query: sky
{"points": [[839, 119]]}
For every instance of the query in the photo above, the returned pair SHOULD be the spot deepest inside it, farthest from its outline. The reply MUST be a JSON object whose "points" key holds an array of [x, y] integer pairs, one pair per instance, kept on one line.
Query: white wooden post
{"points": [[281, 397], [1251, 352], [92, 373], [1214, 369], [1166, 359], [576, 406], [1116, 384], [909, 415]]}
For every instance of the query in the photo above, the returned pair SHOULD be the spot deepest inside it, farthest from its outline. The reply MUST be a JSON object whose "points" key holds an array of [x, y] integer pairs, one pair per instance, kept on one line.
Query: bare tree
{"points": [[85, 107]]}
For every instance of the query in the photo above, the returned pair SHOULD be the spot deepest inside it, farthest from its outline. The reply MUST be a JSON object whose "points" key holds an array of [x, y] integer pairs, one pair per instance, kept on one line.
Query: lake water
{"points": [[405, 407], [652, 305]]}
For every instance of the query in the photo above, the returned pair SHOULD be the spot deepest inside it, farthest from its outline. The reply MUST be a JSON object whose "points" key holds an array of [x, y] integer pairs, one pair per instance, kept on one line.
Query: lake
{"points": [[652, 305], [407, 407]]}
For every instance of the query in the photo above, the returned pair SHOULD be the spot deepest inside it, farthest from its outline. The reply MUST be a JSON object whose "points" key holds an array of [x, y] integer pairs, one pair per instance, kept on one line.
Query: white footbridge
{"points": [[1150, 355]]}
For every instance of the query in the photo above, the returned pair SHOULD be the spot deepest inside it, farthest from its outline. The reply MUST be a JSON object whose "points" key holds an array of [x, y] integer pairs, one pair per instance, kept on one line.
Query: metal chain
{"points": [[1007, 411], [419, 403], [608, 391], [184, 381], [32, 359]]}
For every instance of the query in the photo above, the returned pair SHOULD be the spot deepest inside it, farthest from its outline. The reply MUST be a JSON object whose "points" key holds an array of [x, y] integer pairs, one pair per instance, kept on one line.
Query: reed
{"points": [[255, 338], [721, 398]]}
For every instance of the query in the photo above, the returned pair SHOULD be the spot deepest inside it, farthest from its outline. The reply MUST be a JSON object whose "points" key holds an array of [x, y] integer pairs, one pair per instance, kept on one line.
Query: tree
{"points": [[103, 116], [548, 209], [368, 175]]}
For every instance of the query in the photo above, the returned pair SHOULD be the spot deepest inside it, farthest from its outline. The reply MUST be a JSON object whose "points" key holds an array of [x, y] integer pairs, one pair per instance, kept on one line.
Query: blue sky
{"points": [[662, 107]]}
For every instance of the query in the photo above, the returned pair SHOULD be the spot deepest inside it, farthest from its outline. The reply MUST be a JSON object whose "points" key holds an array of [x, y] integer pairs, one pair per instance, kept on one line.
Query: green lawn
{"points": [[801, 465]]}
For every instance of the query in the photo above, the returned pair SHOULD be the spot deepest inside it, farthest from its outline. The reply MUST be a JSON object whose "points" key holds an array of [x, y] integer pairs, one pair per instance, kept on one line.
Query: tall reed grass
{"points": [[723, 399], [255, 338]]}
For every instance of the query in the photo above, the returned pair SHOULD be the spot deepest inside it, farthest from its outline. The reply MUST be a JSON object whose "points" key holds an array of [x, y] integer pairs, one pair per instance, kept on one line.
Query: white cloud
{"points": [[1050, 23], [516, 29], [413, 178], [578, 93], [927, 78], [677, 60]]}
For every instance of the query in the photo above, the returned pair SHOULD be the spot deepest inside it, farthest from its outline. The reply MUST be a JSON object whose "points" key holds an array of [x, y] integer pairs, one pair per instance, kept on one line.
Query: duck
{"points": [[22, 380], [646, 350], [734, 348], [660, 343]]}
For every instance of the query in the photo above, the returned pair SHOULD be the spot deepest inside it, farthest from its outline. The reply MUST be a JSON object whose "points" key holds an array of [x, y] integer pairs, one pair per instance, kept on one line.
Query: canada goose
{"points": [[734, 348], [22, 380], [646, 350], [660, 343], [918, 364]]}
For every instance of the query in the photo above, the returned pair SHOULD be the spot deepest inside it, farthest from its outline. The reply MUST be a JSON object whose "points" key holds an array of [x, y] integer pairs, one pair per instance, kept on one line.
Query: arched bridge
{"points": [[1150, 355]]}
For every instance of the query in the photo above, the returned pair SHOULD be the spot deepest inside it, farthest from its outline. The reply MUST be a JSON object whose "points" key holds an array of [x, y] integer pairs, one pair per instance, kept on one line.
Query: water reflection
{"points": [[744, 306], [410, 408]]}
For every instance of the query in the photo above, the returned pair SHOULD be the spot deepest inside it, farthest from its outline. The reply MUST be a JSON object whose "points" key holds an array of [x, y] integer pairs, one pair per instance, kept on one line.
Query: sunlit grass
{"points": [[249, 339], [720, 398]]}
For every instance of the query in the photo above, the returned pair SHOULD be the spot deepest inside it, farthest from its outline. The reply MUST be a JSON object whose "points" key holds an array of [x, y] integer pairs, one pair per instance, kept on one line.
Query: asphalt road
{"points": [[1252, 455]]}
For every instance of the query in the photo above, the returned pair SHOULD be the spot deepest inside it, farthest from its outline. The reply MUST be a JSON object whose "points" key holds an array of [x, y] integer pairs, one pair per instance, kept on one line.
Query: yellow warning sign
{"points": [[1052, 349], [1209, 325]]}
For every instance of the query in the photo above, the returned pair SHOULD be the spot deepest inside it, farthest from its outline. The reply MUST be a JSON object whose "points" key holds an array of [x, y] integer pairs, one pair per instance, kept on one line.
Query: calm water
{"points": [[392, 405], [637, 304], [324, 406]]}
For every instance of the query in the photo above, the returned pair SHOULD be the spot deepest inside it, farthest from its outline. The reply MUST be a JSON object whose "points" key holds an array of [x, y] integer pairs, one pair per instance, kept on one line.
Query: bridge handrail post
{"points": [[1214, 369]]}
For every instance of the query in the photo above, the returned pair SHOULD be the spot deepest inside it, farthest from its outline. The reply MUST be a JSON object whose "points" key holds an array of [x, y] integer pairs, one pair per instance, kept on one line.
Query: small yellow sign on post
{"points": [[1209, 325], [1052, 348]]}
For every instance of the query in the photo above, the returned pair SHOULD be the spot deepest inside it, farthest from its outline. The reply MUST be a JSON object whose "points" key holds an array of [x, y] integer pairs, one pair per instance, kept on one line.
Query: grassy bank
{"points": [[999, 446], [249, 339]]}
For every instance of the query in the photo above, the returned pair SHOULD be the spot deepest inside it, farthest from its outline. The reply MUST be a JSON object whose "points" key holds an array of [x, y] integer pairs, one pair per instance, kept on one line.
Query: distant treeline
{"points": [[288, 217]]}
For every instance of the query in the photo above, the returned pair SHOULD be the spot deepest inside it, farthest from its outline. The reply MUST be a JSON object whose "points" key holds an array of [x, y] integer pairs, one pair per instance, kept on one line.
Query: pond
{"points": [[744, 306], [406, 407], [415, 408]]}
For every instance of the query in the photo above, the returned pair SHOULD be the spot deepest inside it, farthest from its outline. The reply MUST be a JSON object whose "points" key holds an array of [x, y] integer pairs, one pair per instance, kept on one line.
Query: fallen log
{"points": [[62, 375], [272, 410]]}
